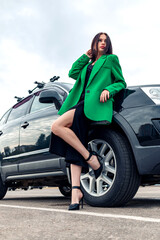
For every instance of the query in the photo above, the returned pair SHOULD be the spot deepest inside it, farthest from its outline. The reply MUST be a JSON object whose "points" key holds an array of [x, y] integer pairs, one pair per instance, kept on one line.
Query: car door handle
{"points": [[1, 133], [25, 124]]}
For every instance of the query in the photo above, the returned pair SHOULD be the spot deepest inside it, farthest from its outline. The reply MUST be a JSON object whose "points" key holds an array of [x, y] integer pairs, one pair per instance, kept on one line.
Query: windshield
{"points": [[68, 86]]}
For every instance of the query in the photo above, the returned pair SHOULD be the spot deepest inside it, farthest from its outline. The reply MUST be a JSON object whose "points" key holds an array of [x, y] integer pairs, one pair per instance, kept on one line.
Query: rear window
{"points": [[4, 117]]}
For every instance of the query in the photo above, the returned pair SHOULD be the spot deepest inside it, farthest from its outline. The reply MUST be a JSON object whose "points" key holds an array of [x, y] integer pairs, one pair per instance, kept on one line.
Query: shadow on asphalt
{"points": [[55, 201], [61, 200], [145, 203]]}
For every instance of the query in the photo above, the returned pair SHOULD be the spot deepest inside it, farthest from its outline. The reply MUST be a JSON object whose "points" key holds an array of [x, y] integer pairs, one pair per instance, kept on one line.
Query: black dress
{"points": [[80, 127]]}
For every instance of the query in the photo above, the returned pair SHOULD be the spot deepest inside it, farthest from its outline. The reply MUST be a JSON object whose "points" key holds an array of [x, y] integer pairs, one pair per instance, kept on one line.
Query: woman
{"points": [[98, 78]]}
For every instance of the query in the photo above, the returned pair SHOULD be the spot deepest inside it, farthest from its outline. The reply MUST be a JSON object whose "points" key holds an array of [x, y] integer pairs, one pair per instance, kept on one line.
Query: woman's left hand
{"points": [[104, 96]]}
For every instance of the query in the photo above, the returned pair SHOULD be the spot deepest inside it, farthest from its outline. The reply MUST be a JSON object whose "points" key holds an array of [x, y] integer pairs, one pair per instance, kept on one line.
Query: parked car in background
{"points": [[130, 146]]}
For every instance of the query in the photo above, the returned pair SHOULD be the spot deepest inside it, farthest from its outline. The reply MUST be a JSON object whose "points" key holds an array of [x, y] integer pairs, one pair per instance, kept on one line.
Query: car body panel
{"points": [[139, 117], [147, 158], [34, 142], [9, 142]]}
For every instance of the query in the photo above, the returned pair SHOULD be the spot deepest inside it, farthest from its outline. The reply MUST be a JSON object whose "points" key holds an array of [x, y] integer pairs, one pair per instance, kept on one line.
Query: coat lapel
{"points": [[96, 68]]}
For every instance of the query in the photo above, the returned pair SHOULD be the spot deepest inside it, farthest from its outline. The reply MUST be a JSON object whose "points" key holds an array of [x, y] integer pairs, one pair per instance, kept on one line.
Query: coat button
{"points": [[88, 91]]}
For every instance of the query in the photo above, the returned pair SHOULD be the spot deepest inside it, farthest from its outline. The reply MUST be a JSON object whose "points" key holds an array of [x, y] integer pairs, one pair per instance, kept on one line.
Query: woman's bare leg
{"points": [[75, 177], [61, 128]]}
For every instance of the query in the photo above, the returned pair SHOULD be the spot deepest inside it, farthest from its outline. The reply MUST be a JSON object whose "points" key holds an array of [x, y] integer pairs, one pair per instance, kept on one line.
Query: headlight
{"points": [[153, 93]]}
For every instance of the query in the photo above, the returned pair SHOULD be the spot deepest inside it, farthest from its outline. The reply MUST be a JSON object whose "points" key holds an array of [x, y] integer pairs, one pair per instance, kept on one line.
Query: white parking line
{"points": [[82, 212]]}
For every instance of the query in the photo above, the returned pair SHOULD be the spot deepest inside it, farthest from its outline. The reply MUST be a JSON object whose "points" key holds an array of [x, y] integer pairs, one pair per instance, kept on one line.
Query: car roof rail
{"points": [[39, 85], [18, 98], [54, 78]]}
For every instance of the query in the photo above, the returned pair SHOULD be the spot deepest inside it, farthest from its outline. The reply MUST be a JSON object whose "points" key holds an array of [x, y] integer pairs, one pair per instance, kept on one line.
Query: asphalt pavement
{"points": [[43, 214]]}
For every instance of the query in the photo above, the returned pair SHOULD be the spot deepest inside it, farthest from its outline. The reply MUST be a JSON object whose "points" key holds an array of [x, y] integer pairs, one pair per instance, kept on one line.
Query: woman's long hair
{"points": [[94, 44]]}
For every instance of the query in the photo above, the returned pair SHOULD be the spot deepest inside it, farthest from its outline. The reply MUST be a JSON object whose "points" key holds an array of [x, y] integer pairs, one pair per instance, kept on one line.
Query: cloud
{"points": [[40, 39], [22, 64], [140, 41]]}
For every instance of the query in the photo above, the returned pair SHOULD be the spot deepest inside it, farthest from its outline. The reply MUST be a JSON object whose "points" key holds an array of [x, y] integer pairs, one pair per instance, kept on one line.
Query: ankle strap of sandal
{"points": [[90, 155], [93, 153], [76, 187]]}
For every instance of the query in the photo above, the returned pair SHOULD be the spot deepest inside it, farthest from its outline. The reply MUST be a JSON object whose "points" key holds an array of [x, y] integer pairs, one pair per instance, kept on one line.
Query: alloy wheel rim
{"points": [[98, 187]]}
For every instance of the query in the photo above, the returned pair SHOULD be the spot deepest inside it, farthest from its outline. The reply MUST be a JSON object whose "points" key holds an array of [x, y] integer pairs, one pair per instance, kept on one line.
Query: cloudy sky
{"points": [[42, 38]]}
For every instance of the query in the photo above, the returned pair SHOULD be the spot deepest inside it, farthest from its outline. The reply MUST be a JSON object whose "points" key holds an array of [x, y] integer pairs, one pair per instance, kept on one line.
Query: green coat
{"points": [[106, 74]]}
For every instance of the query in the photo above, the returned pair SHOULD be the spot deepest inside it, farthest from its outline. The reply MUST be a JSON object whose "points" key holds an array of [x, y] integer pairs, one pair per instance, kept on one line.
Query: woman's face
{"points": [[102, 44]]}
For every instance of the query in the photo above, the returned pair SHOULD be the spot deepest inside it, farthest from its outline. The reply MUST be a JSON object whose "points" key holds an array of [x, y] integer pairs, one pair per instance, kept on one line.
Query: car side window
{"points": [[36, 105], [19, 109], [4, 117]]}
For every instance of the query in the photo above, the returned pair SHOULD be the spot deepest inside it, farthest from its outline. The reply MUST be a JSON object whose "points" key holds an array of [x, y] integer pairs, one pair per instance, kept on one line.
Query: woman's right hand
{"points": [[89, 53]]}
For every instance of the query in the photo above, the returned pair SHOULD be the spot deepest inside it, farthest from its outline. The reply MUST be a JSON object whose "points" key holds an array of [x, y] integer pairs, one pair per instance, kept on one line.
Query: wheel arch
{"points": [[121, 125]]}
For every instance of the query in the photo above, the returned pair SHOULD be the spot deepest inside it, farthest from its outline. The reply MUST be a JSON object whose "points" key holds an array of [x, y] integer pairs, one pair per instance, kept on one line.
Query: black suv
{"points": [[130, 146]]}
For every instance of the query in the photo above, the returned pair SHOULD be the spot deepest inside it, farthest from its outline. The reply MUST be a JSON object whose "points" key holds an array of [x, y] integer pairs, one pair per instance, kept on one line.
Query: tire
{"points": [[65, 190], [119, 180], [3, 189]]}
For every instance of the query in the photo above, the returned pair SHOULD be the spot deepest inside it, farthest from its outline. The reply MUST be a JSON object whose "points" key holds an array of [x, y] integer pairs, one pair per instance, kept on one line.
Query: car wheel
{"points": [[119, 180], [65, 190], [3, 189]]}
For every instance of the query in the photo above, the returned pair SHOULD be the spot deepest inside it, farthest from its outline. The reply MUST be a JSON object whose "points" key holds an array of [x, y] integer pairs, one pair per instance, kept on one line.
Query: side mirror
{"points": [[51, 96]]}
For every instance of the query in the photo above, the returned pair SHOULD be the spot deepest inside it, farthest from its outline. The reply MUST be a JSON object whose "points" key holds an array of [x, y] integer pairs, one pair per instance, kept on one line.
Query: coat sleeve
{"points": [[78, 65], [118, 79]]}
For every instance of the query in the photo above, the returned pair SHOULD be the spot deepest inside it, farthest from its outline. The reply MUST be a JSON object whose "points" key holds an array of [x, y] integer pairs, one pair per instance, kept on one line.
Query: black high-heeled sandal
{"points": [[75, 206], [98, 171]]}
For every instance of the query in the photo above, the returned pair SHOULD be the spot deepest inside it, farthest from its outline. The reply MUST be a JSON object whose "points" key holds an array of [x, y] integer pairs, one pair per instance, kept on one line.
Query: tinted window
{"points": [[4, 118], [36, 105], [19, 109]]}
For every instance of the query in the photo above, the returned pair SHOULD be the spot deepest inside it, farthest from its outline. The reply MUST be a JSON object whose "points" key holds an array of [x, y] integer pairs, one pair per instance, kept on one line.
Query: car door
{"points": [[35, 137], [9, 137]]}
